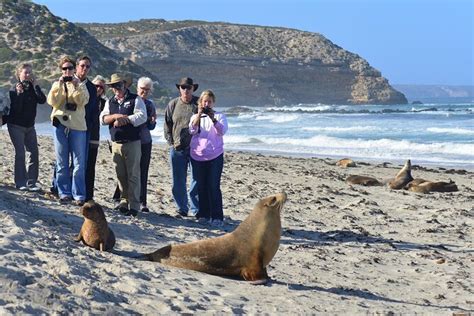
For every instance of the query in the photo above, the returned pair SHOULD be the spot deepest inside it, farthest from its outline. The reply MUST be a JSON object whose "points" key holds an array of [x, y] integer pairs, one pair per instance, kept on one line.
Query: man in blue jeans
{"points": [[176, 131]]}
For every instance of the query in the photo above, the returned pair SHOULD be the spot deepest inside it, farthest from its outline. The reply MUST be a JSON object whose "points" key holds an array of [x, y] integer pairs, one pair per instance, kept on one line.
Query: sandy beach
{"points": [[344, 249]]}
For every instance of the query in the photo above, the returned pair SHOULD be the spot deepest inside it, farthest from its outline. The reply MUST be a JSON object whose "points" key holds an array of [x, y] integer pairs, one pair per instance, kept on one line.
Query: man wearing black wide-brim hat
{"points": [[176, 131]]}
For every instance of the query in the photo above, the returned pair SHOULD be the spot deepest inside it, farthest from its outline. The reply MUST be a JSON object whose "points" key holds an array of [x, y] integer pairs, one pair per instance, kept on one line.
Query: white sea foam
{"points": [[277, 118], [457, 131], [341, 129]]}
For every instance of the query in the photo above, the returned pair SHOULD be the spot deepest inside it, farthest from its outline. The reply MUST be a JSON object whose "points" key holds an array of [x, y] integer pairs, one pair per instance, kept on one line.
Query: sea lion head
{"points": [[92, 211], [272, 203]]}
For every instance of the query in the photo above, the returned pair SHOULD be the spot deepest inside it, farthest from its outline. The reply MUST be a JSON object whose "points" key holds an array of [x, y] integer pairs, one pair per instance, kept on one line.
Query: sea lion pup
{"points": [[363, 180], [402, 178], [345, 163], [245, 252], [95, 232], [429, 186]]}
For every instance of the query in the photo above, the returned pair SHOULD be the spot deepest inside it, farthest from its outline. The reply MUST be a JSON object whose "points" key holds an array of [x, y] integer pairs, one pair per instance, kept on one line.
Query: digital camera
{"points": [[71, 106], [26, 84], [206, 110], [67, 78]]}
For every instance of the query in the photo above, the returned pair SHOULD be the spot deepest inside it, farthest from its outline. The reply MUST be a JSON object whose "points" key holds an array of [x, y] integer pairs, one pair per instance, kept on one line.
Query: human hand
{"points": [[19, 88]]}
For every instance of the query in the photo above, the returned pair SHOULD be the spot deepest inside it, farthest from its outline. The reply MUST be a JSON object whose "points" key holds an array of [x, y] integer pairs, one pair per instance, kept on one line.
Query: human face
{"points": [[25, 74], [100, 87], [118, 89], [82, 69], [144, 91], [207, 102], [186, 92], [67, 69]]}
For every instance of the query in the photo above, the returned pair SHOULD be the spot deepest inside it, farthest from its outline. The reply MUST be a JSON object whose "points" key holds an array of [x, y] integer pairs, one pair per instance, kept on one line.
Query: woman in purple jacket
{"points": [[207, 128]]}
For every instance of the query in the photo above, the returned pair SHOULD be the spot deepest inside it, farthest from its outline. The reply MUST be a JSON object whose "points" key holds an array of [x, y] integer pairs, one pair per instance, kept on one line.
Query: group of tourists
{"points": [[192, 128]]}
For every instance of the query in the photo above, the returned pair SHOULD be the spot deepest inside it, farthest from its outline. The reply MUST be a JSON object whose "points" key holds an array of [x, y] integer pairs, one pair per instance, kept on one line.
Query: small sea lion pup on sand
{"points": [[245, 252], [346, 163], [363, 180], [402, 178], [95, 232]]}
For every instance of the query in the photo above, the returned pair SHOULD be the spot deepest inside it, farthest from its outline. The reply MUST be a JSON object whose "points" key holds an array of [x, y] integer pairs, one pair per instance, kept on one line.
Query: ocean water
{"points": [[430, 134]]}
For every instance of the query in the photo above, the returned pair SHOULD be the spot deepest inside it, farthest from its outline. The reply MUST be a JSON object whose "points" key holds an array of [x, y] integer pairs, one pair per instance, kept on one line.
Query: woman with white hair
{"points": [[144, 89]]}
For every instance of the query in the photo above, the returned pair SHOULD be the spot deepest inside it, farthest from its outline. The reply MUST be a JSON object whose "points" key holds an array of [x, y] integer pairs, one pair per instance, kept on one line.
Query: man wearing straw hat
{"points": [[124, 113]]}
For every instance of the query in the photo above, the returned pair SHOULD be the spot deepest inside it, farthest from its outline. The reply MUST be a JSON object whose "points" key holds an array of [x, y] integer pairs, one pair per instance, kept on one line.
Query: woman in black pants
{"points": [[25, 97]]}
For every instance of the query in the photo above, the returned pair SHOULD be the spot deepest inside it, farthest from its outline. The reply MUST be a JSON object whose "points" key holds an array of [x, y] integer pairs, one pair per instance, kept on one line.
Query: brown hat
{"points": [[186, 81], [115, 78]]}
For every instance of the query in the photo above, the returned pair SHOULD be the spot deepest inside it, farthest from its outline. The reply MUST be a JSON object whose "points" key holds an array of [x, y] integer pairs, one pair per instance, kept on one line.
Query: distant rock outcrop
{"points": [[249, 65]]}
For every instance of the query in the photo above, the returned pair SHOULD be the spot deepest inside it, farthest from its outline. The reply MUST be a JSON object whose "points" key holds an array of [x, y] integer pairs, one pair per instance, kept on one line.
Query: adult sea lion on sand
{"points": [[95, 232], [429, 186], [363, 180], [245, 252], [402, 178]]}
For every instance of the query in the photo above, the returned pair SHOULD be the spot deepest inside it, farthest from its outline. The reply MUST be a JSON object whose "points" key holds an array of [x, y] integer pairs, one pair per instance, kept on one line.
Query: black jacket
{"points": [[23, 106]]}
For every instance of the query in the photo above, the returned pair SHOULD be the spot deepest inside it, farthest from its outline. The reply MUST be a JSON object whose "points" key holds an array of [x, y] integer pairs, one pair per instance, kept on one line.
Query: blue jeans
{"points": [[66, 142], [208, 178], [179, 161]]}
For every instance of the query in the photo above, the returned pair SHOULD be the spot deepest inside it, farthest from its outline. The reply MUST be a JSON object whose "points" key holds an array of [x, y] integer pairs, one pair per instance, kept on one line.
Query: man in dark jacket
{"points": [[83, 66]]}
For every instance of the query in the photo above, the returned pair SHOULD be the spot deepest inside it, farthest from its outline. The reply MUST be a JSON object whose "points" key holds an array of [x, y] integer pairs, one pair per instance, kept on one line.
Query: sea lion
{"points": [[95, 232], [429, 186], [363, 180], [402, 178], [345, 163], [245, 252]]}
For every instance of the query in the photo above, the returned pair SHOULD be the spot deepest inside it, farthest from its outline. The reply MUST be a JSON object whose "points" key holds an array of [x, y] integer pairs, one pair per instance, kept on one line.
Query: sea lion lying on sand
{"points": [[346, 163], [402, 178], [363, 180], [423, 186], [245, 252], [95, 232]]}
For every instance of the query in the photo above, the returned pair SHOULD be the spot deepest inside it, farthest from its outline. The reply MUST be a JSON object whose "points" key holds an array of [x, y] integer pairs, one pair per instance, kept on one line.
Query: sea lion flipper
{"points": [[79, 237]]}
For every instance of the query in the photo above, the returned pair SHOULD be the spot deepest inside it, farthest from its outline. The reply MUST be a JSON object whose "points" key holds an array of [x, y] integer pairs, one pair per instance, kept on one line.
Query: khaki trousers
{"points": [[126, 158]]}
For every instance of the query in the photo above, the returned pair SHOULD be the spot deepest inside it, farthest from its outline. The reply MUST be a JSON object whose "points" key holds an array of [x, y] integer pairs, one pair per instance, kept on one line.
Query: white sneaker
{"points": [[23, 188], [34, 188]]}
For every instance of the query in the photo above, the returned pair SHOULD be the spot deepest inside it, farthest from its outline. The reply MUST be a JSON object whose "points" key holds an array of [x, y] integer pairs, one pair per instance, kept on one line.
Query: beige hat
{"points": [[115, 78]]}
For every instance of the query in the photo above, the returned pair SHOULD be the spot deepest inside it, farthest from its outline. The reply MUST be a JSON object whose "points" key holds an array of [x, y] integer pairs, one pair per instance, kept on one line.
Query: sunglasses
{"points": [[116, 85], [186, 87], [67, 68], [85, 66], [99, 86]]}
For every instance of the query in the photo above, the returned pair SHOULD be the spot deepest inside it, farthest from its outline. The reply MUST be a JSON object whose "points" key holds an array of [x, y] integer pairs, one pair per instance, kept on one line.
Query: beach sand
{"points": [[344, 249]]}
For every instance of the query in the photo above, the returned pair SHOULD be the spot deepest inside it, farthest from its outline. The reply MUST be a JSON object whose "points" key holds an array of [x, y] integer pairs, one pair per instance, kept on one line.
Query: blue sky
{"points": [[409, 41]]}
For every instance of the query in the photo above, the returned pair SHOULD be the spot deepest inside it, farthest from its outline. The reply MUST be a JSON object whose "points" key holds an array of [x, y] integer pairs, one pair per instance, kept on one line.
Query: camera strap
{"points": [[65, 89]]}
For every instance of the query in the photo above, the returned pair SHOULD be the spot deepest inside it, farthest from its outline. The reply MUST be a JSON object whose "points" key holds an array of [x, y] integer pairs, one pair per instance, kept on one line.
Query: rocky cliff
{"points": [[249, 65], [30, 33]]}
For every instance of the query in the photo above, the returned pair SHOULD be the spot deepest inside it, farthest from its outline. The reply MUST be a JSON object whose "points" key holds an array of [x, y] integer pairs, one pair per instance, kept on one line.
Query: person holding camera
{"points": [[68, 98], [207, 128], [176, 132], [25, 97]]}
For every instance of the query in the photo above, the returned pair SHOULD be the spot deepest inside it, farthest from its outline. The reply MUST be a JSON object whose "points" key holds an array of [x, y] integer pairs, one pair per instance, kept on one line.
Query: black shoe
{"points": [[65, 200], [144, 209], [123, 210], [132, 212]]}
